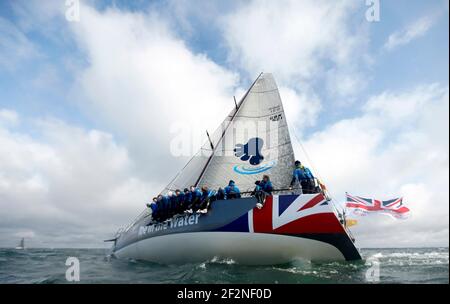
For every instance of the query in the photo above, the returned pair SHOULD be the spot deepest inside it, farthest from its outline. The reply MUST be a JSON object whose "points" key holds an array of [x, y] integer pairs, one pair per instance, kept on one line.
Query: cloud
{"points": [[67, 181], [302, 42], [398, 146], [141, 78], [8, 117], [15, 47], [411, 32], [306, 105]]}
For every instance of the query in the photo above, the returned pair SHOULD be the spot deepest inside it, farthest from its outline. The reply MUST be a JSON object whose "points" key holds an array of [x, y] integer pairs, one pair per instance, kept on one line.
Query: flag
{"points": [[363, 206], [350, 222]]}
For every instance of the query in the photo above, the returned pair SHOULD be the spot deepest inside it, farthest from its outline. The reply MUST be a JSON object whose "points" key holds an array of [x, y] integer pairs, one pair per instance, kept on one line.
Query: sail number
{"points": [[276, 117]]}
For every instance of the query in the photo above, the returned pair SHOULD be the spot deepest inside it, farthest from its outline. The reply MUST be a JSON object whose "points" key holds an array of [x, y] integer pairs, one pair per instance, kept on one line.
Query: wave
{"points": [[217, 260], [409, 258], [412, 255]]}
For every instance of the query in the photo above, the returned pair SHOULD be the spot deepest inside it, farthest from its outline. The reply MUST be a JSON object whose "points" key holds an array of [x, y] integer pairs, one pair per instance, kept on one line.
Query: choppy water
{"points": [[413, 265]]}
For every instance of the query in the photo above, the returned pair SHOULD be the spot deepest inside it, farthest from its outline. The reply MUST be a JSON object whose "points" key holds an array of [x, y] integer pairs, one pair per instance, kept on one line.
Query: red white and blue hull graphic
{"points": [[287, 228]]}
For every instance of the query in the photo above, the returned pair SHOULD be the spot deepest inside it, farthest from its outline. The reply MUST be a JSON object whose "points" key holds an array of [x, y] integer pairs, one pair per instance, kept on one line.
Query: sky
{"points": [[90, 91]]}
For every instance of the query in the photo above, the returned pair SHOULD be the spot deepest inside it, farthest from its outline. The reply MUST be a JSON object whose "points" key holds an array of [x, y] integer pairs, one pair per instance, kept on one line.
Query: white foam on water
{"points": [[410, 258], [217, 260], [202, 266]]}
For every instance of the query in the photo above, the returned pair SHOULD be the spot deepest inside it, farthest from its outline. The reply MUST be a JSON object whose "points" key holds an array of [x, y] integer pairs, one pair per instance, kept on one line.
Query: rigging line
{"points": [[173, 179], [224, 131]]}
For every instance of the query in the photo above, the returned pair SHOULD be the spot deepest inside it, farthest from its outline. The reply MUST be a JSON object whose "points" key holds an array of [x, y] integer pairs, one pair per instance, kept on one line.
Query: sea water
{"points": [[398, 265]]}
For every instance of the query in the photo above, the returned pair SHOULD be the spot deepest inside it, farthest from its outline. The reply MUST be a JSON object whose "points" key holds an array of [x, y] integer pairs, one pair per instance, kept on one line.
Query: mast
{"points": [[238, 106]]}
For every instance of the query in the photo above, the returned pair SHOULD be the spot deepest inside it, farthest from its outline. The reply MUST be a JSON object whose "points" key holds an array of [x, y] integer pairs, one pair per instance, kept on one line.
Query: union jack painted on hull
{"points": [[307, 216], [289, 214]]}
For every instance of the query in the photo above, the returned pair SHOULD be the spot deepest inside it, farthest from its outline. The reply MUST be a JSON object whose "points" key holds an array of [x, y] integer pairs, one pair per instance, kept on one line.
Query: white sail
{"points": [[259, 119], [190, 174], [261, 123]]}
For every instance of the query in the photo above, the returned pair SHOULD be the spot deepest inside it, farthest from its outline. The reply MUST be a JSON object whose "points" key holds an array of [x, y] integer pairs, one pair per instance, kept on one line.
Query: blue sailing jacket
{"points": [[206, 194], [154, 208], [173, 202], [232, 190], [180, 198], [165, 203], [187, 198], [308, 173], [266, 186], [195, 194], [302, 173]]}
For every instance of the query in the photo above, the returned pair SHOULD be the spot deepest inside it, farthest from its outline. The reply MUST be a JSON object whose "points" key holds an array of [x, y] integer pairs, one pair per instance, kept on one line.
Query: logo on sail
{"points": [[251, 152]]}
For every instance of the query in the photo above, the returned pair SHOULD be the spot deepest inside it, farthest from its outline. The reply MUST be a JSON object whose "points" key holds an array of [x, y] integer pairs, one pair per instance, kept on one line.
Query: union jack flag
{"points": [[363, 206]]}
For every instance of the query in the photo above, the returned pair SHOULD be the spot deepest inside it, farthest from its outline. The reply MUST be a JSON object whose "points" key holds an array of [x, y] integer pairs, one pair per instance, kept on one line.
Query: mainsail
{"points": [[252, 141]]}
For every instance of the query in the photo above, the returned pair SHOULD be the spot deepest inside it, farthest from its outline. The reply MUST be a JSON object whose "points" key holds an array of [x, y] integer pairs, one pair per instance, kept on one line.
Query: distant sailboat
{"points": [[289, 226], [21, 245]]}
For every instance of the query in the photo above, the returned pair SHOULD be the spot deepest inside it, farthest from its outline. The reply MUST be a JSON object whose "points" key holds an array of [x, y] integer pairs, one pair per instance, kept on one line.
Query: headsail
{"points": [[252, 141]]}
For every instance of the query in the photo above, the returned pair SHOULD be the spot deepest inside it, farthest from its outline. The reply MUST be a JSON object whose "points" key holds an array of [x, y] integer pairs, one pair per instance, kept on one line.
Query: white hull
{"points": [[243, 248]]}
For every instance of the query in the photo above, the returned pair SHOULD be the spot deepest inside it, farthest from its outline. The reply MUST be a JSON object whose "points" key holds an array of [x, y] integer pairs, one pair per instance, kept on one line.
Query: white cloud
{"points": [[15, 47], [301, 42], [411, 32], [68, 181], [397, 146], [8, 117], [301, 108], [141, 78]]}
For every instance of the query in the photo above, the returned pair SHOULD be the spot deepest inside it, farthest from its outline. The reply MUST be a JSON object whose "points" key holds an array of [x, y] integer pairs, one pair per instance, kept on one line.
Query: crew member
{"points": [[266, 185], [205, 200], [220, 195], [195, 198], [303, 176], [159, 208], [172, 204], [187, 199], [232, 191], [180, 201], [152, 207]]}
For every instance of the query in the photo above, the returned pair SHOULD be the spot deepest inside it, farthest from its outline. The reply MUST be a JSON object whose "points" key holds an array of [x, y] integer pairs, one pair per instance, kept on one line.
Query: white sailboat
{"points": [[288, 227], [21, 245]]}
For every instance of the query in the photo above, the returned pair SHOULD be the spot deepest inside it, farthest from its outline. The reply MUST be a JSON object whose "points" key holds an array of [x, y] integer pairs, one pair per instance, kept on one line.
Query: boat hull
{"points": [[239, 247], [287, 228]]}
